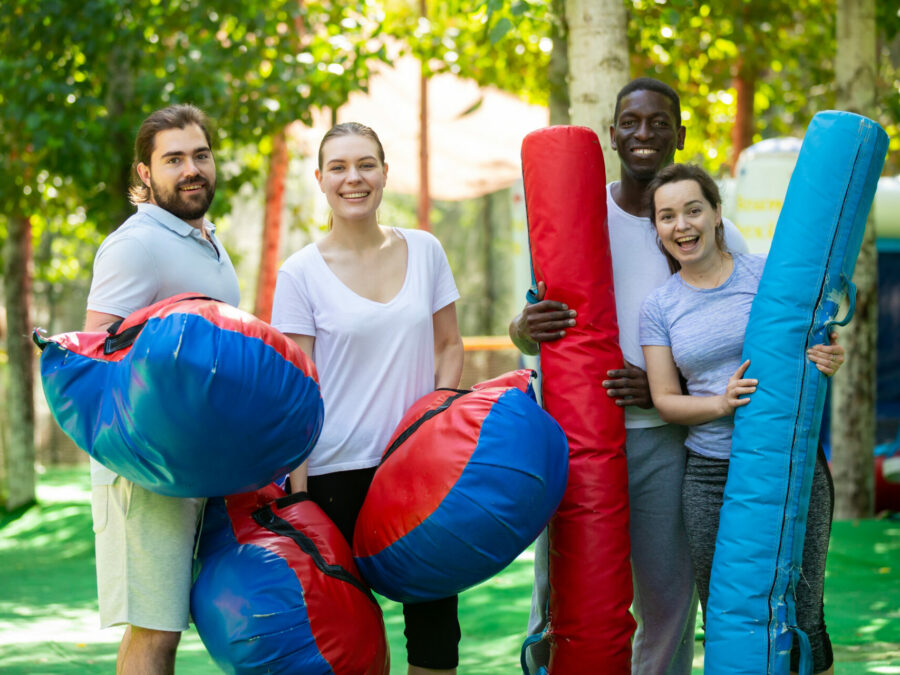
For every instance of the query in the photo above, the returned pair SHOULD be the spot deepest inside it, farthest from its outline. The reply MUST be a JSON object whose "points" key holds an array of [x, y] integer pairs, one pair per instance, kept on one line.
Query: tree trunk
{"points": [[598, 67], [424, 207], [742, 132], [18, 488], [853, 388], [488, 253], [558, 69], [271, 236], [119, 98]]}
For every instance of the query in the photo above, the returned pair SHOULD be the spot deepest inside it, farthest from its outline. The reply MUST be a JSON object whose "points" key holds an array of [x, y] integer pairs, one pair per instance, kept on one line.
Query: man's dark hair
{"points": [[179, 116], [650, 84]]}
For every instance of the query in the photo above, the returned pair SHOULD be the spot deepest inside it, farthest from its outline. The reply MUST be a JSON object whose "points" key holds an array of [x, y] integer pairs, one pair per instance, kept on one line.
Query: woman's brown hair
{"points": [[675, 173]]}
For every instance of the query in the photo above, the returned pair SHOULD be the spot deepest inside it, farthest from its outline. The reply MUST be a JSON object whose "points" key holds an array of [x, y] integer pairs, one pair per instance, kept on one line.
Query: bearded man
{"points": [[144, 541]]}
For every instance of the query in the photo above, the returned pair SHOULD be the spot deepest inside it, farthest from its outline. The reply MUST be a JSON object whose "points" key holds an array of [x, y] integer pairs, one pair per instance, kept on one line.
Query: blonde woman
{"points": [[374, 307]]}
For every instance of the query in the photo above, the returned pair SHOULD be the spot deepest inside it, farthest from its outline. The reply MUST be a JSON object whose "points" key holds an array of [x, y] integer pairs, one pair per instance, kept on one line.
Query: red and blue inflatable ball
{"points": [[276, 591], [887, 477], [467, 482], [188, 397]]}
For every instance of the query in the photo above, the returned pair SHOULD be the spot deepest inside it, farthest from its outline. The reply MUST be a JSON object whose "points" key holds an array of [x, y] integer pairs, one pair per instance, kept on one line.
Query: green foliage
{"points": [[786, 47], [496, 43], [887, 18], [888, 80], [76, 79]]}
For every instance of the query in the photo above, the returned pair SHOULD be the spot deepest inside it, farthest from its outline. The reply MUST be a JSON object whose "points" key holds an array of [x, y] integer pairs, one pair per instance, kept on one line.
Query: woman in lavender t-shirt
{"points": [[692, 327]]}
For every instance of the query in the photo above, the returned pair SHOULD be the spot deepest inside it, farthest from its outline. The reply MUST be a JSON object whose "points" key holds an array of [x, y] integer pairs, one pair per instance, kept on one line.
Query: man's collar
{"points": [[173, 222]]}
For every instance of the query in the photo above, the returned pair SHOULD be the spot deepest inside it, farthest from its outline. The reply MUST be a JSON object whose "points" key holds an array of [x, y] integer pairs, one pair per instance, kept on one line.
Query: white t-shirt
{"points": [[374, 359], [638, 268]]}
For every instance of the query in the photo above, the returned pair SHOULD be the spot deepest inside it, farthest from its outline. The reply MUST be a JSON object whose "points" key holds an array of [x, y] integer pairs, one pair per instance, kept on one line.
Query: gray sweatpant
{"points": [[702, 497], [665, 603]]}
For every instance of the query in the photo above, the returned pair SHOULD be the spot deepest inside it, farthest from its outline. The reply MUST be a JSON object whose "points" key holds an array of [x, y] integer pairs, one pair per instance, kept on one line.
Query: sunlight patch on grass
{"points": [[527, 555], [191, 642], [65, 626], [41, 524], [63, 493]]}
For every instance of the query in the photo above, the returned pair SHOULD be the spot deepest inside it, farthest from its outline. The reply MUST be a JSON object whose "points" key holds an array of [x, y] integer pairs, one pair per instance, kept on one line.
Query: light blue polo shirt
{"points": [[152, 256]]}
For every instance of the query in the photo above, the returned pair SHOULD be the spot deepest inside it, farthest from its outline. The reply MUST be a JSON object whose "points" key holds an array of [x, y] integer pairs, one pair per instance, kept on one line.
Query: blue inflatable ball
{"points": [[276, 591], [189, 397], [467, 482]]}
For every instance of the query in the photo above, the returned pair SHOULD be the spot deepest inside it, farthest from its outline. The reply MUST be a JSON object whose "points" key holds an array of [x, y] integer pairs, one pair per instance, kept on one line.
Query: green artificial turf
{"points": [[48, 620]]}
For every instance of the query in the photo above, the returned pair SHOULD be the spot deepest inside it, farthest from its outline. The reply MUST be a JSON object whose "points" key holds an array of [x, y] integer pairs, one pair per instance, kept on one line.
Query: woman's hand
{"points": [[828, 358], [737, 387]]}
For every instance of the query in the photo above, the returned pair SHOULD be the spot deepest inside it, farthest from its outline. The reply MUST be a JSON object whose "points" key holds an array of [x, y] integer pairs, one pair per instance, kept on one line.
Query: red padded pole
{"points": [[590, 571]]}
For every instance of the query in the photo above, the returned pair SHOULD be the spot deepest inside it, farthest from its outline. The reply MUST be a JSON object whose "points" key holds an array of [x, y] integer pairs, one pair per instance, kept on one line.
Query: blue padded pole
{"points": [[751, 620]]}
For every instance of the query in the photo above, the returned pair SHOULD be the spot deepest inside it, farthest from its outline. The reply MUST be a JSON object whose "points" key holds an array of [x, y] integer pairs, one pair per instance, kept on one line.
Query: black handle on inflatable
{"points": [[123, 340], [851, 305], [266, 518], [117, 341], [411, 429], [292, 498], [39, 339]]}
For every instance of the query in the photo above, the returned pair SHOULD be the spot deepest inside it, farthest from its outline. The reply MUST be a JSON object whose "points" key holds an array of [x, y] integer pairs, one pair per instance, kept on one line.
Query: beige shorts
{"points": [[145, 546]]}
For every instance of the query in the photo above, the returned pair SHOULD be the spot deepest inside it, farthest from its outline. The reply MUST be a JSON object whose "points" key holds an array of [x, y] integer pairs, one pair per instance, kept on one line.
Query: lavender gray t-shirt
{"points": [[705, 329]]}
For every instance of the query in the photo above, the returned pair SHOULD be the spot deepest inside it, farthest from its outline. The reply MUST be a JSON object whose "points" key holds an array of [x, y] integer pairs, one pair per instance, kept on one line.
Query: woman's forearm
{"points": [[689, 410], [448, 365], [448, 348], [298, 478], [676, 407]]}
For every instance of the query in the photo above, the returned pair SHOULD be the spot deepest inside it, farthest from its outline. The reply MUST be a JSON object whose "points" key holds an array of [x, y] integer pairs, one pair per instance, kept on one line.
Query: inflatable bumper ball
{"points": [[467, 482], [189, 397], [276, 591]]}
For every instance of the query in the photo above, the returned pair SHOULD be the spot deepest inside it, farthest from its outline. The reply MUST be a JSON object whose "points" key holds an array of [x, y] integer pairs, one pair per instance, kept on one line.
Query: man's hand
{"points": [[541, 321], [629, 386]]}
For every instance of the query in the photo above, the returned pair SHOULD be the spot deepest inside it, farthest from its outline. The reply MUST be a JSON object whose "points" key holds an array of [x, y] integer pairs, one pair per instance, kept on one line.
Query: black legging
{"points": [[431, 628], [701, 502]]}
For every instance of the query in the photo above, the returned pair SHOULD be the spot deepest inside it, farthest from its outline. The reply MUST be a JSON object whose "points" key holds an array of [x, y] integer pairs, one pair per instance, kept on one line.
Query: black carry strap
{"points": [[39, 340], [410, 430], [292, 498], [265, 517], [117, 341]]}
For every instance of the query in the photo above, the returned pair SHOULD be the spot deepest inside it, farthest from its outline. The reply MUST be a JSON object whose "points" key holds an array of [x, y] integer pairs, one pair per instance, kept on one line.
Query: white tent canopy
{"points": [[470, 155]]}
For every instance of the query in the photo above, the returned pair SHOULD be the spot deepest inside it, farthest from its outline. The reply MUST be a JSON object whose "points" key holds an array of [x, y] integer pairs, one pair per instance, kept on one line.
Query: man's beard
{"points": [[177, 203]]}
